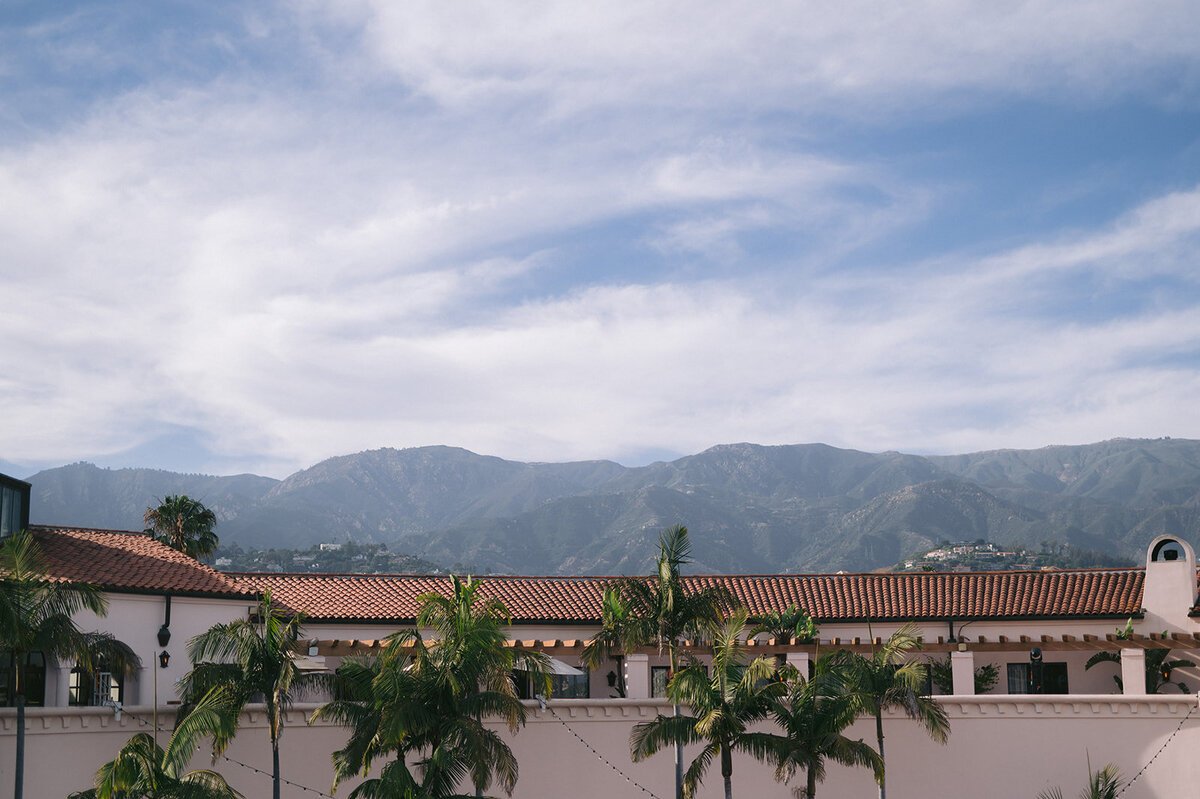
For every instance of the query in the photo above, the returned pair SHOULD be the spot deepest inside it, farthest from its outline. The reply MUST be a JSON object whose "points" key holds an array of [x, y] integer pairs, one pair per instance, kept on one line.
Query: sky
{"points": [[245, 237]]}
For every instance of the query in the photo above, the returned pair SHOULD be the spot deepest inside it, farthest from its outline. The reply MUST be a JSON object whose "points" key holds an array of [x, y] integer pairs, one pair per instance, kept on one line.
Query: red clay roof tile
{"points": [[827, 597], [126, 561], [123, 561]]}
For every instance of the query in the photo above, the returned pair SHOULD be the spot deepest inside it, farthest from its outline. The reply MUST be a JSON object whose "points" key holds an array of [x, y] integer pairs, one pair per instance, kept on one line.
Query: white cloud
{"points": [[707, 54], [305, 267]]}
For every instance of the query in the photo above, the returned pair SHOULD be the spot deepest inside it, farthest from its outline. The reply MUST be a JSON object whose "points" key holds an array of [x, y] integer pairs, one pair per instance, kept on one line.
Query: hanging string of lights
{"points": [[601, 757], [229, 759], [1170, 738]]}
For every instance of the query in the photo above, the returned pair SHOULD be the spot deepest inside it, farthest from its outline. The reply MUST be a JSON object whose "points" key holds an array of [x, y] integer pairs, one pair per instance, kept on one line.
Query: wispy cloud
{"points": [[571, 232]]}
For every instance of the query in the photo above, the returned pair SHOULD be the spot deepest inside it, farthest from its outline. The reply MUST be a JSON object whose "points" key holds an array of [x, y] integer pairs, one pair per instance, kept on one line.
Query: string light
{"points": [[284, 780], [1160, 749], [602, 758]]}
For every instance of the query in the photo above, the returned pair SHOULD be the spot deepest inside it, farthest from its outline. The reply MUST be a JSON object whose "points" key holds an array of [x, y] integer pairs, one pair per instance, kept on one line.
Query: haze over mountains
{"points": [[750, 508]]}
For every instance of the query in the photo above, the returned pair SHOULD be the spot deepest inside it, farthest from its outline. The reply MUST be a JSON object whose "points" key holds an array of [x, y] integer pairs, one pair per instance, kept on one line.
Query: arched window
{"points": [[102, 687]]}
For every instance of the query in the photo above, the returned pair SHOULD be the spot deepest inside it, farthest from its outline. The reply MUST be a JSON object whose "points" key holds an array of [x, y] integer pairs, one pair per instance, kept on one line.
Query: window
{"points": [[33, 679], [562, 686], [100, 688], [659, 677], [570, 686], [1054, 678], [14, 505]]}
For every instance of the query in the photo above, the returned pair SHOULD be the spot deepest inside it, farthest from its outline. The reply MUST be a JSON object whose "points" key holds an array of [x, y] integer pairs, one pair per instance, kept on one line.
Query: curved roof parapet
{"points": [[1170, 591]]}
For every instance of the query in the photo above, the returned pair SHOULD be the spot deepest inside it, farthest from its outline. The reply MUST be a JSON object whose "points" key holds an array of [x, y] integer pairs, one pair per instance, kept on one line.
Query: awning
{"points": [[558, 667]]}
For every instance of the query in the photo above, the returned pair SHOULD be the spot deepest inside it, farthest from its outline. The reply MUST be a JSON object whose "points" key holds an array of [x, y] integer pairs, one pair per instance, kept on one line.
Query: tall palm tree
{"points": [[249, 660], [887, 680], [661, 611], [813, 715], [37, 615], [723, 706], [609, 642], [354, 705], [184, 524], [144, 770], [424, 701]]}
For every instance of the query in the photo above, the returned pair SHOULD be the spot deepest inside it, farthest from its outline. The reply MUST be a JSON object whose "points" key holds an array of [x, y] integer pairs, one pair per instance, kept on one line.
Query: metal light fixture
{"points": [[164, 635], [612, 679], [164, 658]]}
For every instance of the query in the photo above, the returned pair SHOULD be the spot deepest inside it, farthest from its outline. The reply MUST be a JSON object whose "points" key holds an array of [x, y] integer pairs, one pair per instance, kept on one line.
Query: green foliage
{"points": [[249, 662], [184, 524], [351, 558], [986, 676], [812, 714], [144, 770], [793, 623], [422, 703], [887, 680], [1159, 664], [722, 707], [659, 610], [1106, 783]]}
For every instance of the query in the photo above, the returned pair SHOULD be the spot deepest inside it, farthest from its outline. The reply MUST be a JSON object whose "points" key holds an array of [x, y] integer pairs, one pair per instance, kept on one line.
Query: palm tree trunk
{"points": [[879, 736], [275, 764], [727, 771], [19, 772], [810, 787], [678, 763]]}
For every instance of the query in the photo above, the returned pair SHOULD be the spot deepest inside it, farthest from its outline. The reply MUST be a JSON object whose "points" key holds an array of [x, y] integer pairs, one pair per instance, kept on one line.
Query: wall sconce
{"points": [[164, 658], [164, 635], [612, 679]]}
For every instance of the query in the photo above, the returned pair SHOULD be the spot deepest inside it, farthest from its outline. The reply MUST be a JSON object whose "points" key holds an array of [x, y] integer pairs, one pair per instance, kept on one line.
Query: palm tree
{"points": [[661, 611], [37, 615], [723, 707], [247, 661], [424, 701], [1158, 666], [184, 524], [354, 706], [1103, 784], [884, 680], [785, 625], [144, 770], [813, 715], [609, 642]]}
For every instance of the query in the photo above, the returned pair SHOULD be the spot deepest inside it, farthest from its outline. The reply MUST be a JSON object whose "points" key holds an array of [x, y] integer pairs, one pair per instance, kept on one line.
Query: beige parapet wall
{"points": [[1001, 746]]}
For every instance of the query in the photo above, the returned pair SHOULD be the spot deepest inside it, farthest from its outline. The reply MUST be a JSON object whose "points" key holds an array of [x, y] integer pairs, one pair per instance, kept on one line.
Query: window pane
{"points": [[569, 686], [1056, 678], [7, 497], [659, 680], [1018, 678]]}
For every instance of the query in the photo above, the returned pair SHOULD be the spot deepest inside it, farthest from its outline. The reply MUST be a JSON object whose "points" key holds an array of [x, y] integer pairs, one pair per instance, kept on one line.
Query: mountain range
{"points": [[750, 508]]}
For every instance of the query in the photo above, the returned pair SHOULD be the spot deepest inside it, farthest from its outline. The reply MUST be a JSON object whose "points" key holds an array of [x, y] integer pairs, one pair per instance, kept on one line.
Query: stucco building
{"points": [[159, 598]]}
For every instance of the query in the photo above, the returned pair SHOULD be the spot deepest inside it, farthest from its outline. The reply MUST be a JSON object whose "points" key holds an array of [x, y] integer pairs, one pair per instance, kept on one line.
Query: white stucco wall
{"points": [[999, 746]]}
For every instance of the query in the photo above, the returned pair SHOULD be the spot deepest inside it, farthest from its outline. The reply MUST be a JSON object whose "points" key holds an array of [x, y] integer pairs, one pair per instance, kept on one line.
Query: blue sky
{"points": [[246, 238]]}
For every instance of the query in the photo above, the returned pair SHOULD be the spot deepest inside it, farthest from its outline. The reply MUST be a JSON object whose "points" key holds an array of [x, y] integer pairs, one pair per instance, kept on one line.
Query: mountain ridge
{"points": [[751, 508]]}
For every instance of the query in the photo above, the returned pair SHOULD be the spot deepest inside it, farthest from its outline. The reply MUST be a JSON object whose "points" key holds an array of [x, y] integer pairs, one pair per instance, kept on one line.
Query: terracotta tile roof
{"points": [[1064, 594], [940, 595], [134, 562], [127, 561], [344, 597]]}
